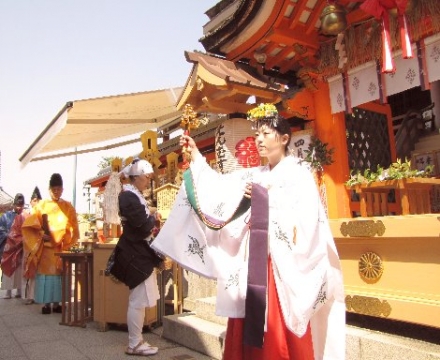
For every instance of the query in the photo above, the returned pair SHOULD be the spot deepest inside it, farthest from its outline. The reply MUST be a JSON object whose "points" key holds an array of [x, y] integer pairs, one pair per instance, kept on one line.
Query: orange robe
{"points": [[32, 245], [63, 227]]}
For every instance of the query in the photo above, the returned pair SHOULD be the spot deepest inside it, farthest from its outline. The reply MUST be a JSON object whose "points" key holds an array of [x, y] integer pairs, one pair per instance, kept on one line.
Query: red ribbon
{"points": [[379, 9], [185, 164]]}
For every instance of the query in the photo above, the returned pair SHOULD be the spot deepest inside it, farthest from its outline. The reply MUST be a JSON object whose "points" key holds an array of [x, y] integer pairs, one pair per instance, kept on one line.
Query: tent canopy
{"points": [[6, 200], [84, 122]]}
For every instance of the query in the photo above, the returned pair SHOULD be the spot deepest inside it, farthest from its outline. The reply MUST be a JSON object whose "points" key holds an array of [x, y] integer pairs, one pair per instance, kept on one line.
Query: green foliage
{"points": [[397, 170], [318, 154], [366, 177], [106, 161]]}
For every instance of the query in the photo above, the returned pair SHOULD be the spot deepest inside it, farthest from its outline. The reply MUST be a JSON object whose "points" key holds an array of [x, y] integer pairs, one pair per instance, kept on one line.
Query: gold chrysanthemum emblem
{"points": [[370, 267]]}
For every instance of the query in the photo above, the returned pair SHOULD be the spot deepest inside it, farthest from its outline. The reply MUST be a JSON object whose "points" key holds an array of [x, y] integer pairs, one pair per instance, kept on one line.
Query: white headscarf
{"points": [[137, 167]]}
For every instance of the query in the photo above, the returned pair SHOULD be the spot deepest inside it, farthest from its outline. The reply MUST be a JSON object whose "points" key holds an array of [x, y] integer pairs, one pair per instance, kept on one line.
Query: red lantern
{"points": [[235, 146]]}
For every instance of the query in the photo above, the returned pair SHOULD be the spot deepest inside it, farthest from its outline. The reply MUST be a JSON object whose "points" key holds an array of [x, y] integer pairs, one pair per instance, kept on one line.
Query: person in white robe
{"points": [[207, 234]]}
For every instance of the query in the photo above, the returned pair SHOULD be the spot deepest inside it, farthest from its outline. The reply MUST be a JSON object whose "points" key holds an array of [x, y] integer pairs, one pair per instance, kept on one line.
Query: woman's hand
{"points": [[187, 142], [248, 190], [189, 146]]}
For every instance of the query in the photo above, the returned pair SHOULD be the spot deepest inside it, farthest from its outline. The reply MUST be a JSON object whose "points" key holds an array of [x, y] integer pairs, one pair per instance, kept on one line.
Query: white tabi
{"points": [[306, 266]]}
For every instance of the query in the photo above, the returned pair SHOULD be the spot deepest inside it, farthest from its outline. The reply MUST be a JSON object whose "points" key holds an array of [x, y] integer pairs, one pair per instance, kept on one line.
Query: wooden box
{"points": [[110, 298]]}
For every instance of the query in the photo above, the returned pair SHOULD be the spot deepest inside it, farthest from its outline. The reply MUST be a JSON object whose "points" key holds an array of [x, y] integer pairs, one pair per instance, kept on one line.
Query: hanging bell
{"points": [[333, 19]]}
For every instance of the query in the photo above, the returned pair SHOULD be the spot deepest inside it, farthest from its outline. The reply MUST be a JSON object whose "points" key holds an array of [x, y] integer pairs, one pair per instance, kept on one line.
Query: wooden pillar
{"points": [[435, 98], [330, 128]]}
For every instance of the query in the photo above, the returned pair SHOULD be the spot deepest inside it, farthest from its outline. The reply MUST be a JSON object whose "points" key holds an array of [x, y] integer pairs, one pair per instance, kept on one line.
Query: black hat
{"points": [[36, 194], [19, 199], [55, 180]]}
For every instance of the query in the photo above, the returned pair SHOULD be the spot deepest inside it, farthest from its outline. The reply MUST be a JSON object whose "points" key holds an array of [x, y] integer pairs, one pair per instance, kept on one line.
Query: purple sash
{"points": [[255, 305]]}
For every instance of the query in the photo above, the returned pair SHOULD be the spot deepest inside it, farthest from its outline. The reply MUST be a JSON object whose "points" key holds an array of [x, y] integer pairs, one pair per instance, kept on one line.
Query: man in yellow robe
{"points": [[52, 228]]}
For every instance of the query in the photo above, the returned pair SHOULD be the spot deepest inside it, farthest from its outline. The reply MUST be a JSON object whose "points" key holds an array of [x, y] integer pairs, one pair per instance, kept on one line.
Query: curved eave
{"points": [[282, 36], [218, 85], [232, 25], [285, 32]]}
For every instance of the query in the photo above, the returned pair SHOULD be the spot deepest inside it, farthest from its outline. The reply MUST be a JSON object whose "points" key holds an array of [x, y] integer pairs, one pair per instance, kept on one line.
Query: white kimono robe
{"points": [[306, 265]]}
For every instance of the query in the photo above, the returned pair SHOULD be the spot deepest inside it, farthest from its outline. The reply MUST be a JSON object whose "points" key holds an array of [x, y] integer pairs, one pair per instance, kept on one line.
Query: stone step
{"points": [[205, 309], [191, 331], [362, 344]]}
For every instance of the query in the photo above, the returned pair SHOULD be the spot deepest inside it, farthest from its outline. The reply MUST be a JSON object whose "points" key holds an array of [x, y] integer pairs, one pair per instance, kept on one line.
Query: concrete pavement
{"points": [[26, 334]]}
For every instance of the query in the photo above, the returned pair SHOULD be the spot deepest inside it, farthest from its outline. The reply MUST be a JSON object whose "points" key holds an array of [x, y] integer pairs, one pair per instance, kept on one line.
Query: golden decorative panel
{"points": [[116, 164], [149, 146], [366, 305], [370, 267], [172, 168], [362, 228], [166, 195]]}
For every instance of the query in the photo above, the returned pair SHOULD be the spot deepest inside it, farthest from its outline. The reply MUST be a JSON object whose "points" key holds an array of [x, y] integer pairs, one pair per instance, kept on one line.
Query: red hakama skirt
{"points": [[279, 342]]}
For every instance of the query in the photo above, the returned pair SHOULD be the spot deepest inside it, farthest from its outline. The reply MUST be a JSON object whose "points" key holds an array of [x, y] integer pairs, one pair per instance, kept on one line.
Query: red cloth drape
{"points": [[380, 10], [13, 252]]}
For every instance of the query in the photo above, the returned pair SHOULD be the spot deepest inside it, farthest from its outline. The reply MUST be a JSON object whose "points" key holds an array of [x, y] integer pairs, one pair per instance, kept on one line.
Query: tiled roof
{"points": [[232, 72], [218, 85]]}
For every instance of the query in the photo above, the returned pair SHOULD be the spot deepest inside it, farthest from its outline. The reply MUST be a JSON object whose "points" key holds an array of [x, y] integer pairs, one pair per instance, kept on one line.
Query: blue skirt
{"points": [[47, 289]]}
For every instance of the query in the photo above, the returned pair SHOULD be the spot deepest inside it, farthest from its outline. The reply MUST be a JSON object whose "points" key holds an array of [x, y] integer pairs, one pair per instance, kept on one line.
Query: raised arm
{"points": [[189, 146]]}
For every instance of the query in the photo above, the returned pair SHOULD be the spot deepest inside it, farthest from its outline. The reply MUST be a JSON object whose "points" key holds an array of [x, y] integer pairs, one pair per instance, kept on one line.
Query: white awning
{"points": [[6, 200], [81, 123]]}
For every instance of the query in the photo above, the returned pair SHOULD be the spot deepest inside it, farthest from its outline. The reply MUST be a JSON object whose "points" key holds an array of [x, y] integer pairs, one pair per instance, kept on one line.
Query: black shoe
{"points": [[45, 309], [57, 309]]}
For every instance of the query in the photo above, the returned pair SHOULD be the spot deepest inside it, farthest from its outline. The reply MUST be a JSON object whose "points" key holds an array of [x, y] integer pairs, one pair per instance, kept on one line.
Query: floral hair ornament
{"points": [[262, 111]]}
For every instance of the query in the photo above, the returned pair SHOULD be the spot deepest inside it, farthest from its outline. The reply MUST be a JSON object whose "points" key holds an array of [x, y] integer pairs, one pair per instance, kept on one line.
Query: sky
{"points": [[56, 51]]}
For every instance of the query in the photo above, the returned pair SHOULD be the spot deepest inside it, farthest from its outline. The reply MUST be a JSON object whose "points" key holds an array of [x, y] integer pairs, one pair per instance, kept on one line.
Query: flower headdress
{"points": [[262, 111]]}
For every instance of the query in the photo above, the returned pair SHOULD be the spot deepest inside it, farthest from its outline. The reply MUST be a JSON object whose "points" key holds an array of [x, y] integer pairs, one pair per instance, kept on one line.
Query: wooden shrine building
{"points": [[363, 77]]}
